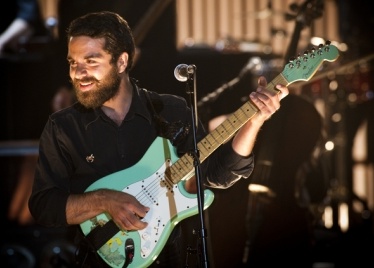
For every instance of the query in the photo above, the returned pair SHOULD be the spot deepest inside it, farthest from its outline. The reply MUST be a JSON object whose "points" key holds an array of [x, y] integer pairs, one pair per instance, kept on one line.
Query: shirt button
{"points": [[123, 156]]}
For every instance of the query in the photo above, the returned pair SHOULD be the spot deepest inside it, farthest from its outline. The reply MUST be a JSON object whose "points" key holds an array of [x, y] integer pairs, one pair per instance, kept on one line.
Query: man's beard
{"points": [[105, 89]]}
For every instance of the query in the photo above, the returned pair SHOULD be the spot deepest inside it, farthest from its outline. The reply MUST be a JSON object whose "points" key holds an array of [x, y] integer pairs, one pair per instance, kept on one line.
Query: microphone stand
{"points": [[215, 94], [191, 91], [254, 65]]}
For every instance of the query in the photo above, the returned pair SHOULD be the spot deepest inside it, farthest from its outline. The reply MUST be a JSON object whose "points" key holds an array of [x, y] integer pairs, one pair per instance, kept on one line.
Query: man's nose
{"points": [[80, 71]]}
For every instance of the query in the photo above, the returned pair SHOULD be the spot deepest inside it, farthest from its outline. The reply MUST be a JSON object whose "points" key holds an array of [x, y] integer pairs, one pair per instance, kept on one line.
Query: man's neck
{"points": [[118, 107]]}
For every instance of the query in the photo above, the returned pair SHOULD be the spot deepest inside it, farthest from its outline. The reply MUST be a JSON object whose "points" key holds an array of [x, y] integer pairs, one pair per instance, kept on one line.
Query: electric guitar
{"points": [[158, 179]]}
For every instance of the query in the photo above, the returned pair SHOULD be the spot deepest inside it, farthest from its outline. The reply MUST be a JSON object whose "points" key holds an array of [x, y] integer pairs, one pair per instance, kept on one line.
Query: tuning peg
{"points": [[327, 47], [305, 58]]}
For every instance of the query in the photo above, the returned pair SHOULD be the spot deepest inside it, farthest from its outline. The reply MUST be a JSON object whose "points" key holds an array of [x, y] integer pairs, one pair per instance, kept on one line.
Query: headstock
{"points": [[303, 67]]}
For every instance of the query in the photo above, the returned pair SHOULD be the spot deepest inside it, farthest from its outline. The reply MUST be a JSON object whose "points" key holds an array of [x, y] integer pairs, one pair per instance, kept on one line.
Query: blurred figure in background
{"points": [[19, 20], [18, 210]]}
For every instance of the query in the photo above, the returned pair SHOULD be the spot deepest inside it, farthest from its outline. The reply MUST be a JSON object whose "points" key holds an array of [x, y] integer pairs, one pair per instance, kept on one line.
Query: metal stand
{"points": [[191, 91]]}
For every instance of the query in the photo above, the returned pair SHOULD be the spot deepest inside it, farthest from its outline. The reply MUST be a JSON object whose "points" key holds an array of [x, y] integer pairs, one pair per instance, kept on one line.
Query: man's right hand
{"points": [[125, 210]]}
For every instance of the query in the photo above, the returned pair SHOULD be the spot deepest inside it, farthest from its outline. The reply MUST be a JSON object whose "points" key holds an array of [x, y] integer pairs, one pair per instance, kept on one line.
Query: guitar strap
{"points": [[101, 234], [175, 132]]}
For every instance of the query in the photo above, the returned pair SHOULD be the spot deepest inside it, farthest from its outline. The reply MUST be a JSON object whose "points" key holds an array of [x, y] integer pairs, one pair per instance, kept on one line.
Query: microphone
{"points": [[182, 71]]}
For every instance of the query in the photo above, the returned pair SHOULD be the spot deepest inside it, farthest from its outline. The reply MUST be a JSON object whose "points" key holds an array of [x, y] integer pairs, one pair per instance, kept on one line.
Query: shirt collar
{"points": [[138, 107], [138, 104]]}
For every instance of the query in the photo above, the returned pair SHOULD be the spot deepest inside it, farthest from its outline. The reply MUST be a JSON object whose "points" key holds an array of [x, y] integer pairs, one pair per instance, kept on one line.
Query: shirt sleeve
{"points": [[225, 167], [47, 202]]}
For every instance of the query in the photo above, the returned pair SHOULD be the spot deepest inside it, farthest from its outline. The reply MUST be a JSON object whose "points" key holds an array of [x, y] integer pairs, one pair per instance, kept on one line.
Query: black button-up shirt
{"points": [[78, 146]]}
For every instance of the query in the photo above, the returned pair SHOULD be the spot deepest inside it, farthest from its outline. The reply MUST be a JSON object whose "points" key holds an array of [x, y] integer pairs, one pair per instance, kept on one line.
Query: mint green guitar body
{"points": [[169, 204]]}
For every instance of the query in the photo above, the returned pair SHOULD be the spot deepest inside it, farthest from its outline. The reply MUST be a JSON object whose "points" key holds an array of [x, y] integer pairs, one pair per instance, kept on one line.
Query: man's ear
{"points": [[122, 62]]}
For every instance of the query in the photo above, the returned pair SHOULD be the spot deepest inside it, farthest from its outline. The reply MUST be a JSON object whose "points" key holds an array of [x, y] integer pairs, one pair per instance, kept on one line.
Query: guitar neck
{"points": [[301, 68], [184, 167]]}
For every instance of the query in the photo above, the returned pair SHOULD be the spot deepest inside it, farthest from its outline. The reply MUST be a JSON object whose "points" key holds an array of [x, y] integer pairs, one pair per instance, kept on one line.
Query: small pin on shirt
{"points": [[90, 158]]}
